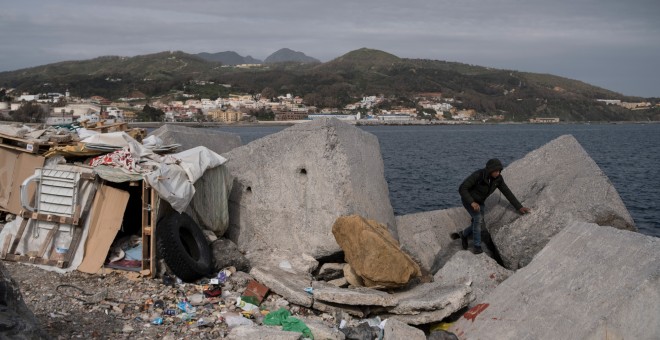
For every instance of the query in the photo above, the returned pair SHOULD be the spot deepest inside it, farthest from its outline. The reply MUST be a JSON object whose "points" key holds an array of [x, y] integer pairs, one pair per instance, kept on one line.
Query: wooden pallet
{"points": [[25, 145]]}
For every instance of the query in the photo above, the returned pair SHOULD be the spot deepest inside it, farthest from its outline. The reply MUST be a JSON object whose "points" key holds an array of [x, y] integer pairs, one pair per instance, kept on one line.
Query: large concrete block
{"points": [[560, 183], [218, 141], [426, 235], [589, 282], [291, 186]]}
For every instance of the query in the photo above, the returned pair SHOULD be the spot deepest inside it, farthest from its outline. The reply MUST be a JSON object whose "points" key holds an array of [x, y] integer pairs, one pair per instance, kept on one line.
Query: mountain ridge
{"points": [[334, 83]]}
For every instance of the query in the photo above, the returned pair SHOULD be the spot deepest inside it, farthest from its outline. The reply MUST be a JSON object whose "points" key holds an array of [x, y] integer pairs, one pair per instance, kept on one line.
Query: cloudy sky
{"points": [[613, 44]]}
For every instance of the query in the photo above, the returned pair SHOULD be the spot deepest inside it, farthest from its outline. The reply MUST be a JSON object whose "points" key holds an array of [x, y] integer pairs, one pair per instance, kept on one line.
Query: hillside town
{"points": [[59, 109]]}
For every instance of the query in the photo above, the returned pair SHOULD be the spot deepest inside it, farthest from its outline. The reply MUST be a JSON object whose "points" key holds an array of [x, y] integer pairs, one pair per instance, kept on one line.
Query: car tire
{"points": [[183, 246]]}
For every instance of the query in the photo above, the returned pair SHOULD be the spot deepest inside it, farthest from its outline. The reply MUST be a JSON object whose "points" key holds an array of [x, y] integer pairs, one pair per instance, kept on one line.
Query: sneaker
{"points": [[454, 236], [464, 241], [477, 250]]}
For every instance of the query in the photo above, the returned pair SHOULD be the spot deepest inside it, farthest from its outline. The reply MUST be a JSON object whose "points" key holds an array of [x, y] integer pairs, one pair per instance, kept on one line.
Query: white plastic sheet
{"points": [[174, 179]]}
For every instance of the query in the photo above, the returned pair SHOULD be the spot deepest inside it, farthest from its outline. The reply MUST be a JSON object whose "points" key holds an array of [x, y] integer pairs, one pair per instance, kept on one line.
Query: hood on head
{"points": [[493, 165]]}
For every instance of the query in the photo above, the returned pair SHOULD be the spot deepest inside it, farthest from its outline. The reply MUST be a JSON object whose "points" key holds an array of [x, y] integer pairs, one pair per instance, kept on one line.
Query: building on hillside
{"points": [[544, 120], [609, 101], [226, 116], [59, 119], [464, 114], [290, 115]]}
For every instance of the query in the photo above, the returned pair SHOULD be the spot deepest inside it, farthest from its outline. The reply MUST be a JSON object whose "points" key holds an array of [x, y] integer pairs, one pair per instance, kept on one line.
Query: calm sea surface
{"points": [[425, 164]]}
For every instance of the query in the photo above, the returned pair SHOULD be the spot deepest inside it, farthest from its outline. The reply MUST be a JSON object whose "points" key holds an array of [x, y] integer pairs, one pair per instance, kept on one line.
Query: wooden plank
{"points": [[47, 217], [146, 239], [152, 234], [49, 238], [19, 235], [30, 259], [5, 246]]}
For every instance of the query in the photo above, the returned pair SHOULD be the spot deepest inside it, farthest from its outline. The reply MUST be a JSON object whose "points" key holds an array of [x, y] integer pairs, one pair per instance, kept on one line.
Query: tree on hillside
{"points": [[150, 114], [268, 93], [29, 112]]}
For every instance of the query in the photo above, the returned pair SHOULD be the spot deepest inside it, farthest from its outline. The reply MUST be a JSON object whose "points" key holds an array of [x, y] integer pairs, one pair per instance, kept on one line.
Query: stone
{"points": [[291, 186], [589, 282], [352, 277], [395, 330], [560, 183], [441, 335], [359, 296], [422, 318], [16, 320], [373, 253], [362, 331], [330, 271], [430, 297], [290, 286], [340, 282], [226, 254], [323, 331], [218, 141], [480, 272], [262, 333], [329, 307], [426, 235]]}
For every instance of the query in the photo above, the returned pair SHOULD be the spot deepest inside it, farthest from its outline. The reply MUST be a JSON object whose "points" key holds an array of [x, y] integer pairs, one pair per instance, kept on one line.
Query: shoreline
{"points": [[364, 123]]}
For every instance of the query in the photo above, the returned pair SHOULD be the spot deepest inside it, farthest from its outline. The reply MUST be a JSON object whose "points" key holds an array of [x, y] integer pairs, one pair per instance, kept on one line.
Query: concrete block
{"points": [[425, 235], [289, 285], [291, 186], [218, 141], [395, 330], [589, 282], [560, 183]]}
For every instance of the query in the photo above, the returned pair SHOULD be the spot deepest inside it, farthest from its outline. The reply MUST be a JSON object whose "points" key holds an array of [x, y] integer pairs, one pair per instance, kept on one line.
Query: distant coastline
{"points": [[364, 123]]}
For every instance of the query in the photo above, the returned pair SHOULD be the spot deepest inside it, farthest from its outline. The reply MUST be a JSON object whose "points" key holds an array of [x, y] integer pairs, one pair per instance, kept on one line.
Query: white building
{"points": [[395, 117], [337, 116]]}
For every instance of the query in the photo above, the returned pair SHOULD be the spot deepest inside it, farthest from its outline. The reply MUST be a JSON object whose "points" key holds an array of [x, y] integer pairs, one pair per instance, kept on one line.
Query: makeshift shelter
{"points": [[70, 216]]}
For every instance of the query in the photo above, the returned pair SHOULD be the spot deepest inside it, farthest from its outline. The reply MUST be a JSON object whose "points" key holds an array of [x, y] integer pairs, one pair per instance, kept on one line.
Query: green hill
{"points": [[516, 95]]}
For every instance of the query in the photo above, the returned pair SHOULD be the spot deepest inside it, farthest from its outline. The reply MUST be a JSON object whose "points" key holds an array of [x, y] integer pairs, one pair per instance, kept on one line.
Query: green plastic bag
{"points": [[282, 317], [277, 317], [296, 325]]}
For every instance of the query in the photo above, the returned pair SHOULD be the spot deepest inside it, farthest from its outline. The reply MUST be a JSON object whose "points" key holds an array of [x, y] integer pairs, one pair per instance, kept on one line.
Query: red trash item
{"points": [[212, 292], [257, 290]]}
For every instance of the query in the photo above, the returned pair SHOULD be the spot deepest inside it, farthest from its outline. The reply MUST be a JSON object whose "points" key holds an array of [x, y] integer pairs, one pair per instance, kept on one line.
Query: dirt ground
{"points": [[121, 305]]}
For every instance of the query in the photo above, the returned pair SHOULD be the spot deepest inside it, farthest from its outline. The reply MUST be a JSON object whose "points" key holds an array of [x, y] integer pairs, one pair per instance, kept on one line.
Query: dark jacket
{"points": [[479, 185]]}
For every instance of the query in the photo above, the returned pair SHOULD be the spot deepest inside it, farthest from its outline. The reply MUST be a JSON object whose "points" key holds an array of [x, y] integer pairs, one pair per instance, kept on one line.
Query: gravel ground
{"points": [[120, 305]]}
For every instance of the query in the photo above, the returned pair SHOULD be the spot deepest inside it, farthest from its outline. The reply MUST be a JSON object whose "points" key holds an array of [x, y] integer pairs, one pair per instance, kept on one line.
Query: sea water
{"points": [[424, 165]]}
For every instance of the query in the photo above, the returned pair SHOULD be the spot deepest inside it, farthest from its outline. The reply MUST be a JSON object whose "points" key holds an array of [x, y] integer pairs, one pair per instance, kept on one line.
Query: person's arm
{"points": [[504, 189]]}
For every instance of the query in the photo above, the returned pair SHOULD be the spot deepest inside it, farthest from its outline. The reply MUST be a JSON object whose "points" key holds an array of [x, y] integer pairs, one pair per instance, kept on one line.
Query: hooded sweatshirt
{"points": [[480, 184]]}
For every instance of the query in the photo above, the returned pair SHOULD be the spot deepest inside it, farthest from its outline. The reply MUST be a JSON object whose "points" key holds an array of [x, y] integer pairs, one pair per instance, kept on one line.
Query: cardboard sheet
{"points": [[15, 167], [107, 215]]}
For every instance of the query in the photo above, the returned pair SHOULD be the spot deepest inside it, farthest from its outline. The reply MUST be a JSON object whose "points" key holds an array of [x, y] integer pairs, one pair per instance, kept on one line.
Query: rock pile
{"points": [[307, 198]]}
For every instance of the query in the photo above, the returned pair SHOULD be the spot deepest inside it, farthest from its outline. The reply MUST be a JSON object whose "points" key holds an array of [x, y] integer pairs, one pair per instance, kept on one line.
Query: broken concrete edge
{"points": [[416, 306]]}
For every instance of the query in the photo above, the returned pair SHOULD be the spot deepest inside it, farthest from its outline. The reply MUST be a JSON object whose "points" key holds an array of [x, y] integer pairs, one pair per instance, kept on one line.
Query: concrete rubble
{"points": [[305, 199], [480, 272]]}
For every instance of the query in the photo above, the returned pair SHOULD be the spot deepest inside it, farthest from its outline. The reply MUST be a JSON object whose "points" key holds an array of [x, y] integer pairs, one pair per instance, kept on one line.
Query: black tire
{"points": [[183, 246]]}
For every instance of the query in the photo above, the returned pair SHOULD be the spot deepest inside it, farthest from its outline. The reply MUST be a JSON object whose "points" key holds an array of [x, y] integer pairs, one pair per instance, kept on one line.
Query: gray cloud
{"points": [[608, 43]]}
